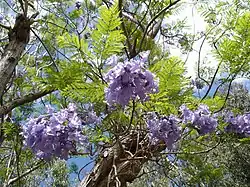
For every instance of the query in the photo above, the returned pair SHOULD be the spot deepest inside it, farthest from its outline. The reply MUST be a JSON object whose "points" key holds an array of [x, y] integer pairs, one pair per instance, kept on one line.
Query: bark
{"points": [[122, 162], [5, 109], [18, 39]]}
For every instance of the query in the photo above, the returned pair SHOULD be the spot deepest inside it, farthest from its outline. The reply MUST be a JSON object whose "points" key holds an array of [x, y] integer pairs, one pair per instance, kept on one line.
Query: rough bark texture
{"points": [[18, 39], [122, 162]]}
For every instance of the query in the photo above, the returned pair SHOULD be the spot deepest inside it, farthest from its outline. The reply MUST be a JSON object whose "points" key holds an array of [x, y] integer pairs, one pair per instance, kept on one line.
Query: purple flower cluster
{"points": [[90, 117], [200, 119], [129, 81], [166, 128], [54, 134], [239, 125], [163, 129]]}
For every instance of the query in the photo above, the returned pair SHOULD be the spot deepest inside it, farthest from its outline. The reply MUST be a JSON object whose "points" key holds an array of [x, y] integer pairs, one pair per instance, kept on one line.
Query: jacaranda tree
{"points": [[97, 79]]}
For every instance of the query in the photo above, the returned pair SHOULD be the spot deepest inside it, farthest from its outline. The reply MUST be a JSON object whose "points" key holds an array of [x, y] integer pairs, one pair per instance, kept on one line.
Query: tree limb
{"points": [[152, 21], [20, 101], [18, 39], [11, 181]]}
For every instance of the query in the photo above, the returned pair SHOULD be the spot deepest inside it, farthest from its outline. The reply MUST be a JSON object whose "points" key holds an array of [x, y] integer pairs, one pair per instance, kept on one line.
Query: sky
{"points": [[196, 24]]}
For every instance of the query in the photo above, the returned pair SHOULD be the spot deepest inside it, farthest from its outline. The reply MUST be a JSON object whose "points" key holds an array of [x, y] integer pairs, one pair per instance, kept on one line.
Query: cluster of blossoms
{"points": [[200, 119], [129, 81], [166, 128], [55, 134], [163, 129], [239, 124]]}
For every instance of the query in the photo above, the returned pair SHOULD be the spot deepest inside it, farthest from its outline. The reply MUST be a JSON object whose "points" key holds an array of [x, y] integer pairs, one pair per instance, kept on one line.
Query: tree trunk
{"points": [[18, 39], [122, 162]]}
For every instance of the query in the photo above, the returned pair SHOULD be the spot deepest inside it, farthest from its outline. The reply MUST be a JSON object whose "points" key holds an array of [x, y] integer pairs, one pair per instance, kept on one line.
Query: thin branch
{"points": [[152, 21], [212, 81], [45, 47], [10, 170], [5, 27], [11, 181], [228, 91], [87, 21], [11, 7], [83, 168], [132, 19], [5, 109], [199, 61], [234, 76], [143, 17], [195, 153], [124, 28], [221, 84], [199, 53]]}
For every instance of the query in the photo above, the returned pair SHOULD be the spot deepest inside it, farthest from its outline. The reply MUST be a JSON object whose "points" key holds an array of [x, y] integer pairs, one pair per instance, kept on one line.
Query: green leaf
{"points": [[107, 38]]}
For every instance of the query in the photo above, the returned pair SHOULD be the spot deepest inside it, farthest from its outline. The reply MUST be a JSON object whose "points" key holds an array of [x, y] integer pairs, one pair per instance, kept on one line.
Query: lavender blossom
{"points": [[163, 129], [129, 81], [201, 119], [239, 125], [55, 134]]}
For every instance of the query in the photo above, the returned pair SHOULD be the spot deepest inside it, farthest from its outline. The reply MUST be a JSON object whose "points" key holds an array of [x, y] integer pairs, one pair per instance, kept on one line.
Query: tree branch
{"points": [[152, 21], [20, 101], [5, 27], [212, 81], [11, 181]]}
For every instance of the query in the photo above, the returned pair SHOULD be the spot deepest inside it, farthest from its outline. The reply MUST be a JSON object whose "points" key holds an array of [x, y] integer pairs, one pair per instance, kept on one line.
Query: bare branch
{"points": [[212, 82], [5, 27], [11, 181], [152, 21], [45, 47], [195, 152], [26, 99]]}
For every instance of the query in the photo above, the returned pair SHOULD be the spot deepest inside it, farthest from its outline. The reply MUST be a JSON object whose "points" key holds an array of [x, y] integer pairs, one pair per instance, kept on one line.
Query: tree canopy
{"points": [[124, 93]]}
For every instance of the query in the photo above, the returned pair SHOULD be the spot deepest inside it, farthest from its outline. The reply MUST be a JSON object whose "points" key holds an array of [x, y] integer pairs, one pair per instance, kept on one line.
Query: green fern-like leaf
{"points": [[73, 43], [107, 39], [172, 84], [85, 92]]}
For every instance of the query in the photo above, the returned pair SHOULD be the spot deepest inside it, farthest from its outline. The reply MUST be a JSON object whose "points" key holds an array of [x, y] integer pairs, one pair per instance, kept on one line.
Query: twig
{"points": [[11, 7], [199, 53], [194, 153], [212, 81], [45, 47], [11, 181], [5, 27], [5, 109], [152, 21], [83, 168]]}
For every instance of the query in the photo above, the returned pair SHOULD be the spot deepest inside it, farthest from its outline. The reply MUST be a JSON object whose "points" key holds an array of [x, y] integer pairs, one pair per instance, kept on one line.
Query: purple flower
{"points": [[239, 125], [54, 134], [163, 129], [129, 81], [187, 115], [201, 119]]}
